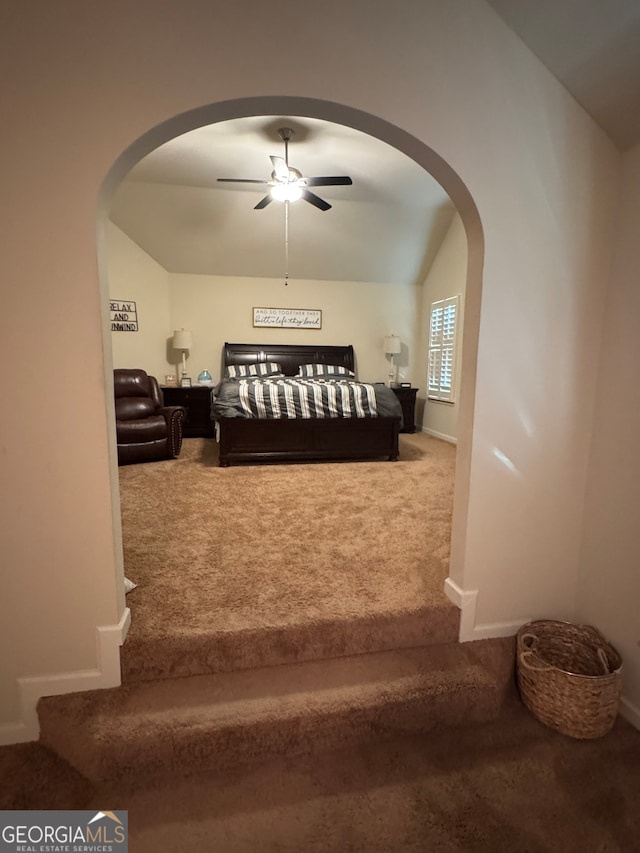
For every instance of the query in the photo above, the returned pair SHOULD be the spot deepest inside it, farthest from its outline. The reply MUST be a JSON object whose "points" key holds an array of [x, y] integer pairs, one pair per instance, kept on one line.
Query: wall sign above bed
{"points": [[287, 318]]}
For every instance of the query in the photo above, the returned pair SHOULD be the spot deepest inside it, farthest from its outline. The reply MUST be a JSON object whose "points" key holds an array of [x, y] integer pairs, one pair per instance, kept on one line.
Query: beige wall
{"points": [[218, 309], [447, 277], [450, 84], [609, 589], [133, 275]]}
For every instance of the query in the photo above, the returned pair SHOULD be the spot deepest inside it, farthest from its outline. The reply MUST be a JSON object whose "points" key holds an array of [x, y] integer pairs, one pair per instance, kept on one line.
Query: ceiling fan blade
{"points": [[280, 168], [315, 201], [241, 181], [265, 201], [341, 180]]}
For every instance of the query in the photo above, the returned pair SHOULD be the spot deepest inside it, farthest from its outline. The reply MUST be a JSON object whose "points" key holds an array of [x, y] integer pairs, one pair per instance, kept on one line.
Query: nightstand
{"points": [[407, 397], [197, 402]]}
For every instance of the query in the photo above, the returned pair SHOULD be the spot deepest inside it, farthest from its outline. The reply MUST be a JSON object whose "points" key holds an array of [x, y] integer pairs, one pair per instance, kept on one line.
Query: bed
{"points": [[249, 437]]}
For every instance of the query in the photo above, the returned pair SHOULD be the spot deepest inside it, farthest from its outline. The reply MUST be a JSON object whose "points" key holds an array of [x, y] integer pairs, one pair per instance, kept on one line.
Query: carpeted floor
{"points": [[230, 550], [509, 786]]}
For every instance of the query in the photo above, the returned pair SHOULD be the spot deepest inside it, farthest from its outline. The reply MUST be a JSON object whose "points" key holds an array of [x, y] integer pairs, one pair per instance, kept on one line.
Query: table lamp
{"points": [[182, 340], [392, 346]]}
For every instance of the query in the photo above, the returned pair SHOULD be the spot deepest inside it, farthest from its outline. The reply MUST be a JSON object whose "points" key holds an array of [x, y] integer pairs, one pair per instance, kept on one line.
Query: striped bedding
{"points": [[306, 398], [289, 397]]}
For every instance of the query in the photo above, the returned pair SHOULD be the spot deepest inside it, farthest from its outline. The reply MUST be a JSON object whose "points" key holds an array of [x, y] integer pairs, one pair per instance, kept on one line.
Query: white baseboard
{"points": [[491, 630], [450, 438], [630, 712], [109, 638], [466, 600]]}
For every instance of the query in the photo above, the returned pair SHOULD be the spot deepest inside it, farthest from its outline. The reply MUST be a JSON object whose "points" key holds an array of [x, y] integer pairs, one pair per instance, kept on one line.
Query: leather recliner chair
{"points": [[146, 429]]}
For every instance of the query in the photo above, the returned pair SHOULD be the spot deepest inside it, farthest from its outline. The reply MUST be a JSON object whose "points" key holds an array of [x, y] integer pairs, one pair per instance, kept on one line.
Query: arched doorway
{"points": [[423, 156]]}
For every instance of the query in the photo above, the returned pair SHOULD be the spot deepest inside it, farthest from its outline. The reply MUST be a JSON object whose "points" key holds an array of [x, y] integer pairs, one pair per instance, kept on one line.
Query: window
{"points": [[442, 349]]}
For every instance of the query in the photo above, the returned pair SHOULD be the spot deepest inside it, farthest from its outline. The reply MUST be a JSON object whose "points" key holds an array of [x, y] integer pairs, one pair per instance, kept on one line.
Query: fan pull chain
{"points": [[286, 243]]}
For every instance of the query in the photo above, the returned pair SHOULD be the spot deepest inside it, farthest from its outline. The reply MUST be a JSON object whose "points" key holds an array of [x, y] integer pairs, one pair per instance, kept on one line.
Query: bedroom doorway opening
{"points": [[400, 140]]}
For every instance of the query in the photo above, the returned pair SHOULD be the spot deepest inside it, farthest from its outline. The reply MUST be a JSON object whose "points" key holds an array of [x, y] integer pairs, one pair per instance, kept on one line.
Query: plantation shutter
{"points": [[442, 341]]}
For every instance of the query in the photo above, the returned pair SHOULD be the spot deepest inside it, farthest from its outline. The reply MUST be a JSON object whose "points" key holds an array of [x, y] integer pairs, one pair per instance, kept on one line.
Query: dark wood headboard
{"points": [[290, 356]]}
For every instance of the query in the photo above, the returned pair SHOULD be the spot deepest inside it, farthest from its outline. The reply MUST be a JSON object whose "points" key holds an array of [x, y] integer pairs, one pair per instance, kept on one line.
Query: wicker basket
{"points": [[569, 677]]}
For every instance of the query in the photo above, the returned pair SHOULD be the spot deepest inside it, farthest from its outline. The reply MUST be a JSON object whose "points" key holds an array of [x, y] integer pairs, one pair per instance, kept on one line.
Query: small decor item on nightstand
{"points": [[204, 378], [170, 380], [185, 382]]}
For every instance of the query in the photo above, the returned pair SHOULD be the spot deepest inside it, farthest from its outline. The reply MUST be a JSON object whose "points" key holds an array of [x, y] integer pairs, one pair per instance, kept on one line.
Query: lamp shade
{"points": [[182, 339], [392, 345]]}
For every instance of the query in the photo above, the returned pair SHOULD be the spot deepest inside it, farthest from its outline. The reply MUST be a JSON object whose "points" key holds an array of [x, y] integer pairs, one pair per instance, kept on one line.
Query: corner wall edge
{"points": [[31, 689]]}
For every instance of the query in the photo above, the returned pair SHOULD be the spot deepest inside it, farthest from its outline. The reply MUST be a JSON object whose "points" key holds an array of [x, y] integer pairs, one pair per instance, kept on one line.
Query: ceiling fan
{"points": [[289, 184]]}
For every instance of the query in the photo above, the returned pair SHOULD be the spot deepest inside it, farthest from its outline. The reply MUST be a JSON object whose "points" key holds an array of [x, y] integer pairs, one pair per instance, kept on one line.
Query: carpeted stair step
{"points": [[177, 653], [216, 722]]}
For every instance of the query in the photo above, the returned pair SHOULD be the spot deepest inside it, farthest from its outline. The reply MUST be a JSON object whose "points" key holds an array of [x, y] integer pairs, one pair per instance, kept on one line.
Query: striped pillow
{"points": [[325, 371], [258, 370]]}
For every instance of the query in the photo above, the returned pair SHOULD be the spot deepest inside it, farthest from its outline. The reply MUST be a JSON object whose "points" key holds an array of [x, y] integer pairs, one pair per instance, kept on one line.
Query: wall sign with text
{"points": [[287, 318], [124, 315]]}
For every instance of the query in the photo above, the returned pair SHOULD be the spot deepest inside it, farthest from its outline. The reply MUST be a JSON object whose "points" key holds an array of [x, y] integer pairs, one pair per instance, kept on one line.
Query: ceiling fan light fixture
{"points": [[286, 192], [289, 184]]}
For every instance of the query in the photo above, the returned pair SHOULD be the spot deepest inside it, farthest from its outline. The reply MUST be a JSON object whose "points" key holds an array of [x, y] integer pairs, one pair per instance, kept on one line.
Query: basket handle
{"points": [[544, 666], [525, 638], [604, 660]]}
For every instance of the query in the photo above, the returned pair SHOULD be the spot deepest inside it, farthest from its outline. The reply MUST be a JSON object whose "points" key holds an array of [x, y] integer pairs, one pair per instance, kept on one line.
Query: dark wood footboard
{"points": [[303, 440]]}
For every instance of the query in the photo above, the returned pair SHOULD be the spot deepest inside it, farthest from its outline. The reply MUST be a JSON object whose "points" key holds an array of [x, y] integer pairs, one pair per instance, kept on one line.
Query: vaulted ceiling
{"points": [[389, 224], [593, 48]]}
